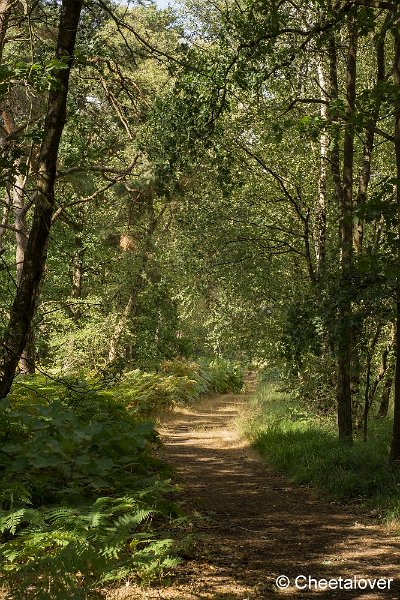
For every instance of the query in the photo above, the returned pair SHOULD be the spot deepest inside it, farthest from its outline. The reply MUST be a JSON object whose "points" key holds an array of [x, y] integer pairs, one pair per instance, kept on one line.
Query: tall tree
{"points": [[24, 303], [345, 337], [395, 447]]}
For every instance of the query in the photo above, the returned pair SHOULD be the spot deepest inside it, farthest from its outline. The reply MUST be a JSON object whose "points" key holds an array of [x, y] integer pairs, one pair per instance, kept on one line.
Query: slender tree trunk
{"points": [[21, 226], [23, 307], [334, 94], [343, 392], [77, 271], [385, 365], [16, 192], [122, 322], [4, 219], [370, 390], [15, 196], [345, 337], [361, 197], [27, 360], [320, 210], [395, 447], [5, 9], [385, 398]]}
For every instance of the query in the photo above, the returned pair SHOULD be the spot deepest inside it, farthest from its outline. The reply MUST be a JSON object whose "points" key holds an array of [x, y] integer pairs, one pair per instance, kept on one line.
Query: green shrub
{"points": [[145, 393], [83, 501], [226, 376], [54, 455], [194, 371], [217, 375]]}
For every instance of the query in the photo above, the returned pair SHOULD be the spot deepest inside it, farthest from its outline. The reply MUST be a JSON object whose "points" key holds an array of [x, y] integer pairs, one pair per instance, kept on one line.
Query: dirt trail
{"points": [[260, 526]]}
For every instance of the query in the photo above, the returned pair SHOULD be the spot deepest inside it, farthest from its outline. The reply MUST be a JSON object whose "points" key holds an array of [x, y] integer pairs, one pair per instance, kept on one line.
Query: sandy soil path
{"points": [[258, 525]]}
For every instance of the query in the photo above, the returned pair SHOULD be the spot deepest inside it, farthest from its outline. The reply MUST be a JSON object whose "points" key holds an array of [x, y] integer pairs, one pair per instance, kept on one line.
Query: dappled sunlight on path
{"points": [[258, 525]]}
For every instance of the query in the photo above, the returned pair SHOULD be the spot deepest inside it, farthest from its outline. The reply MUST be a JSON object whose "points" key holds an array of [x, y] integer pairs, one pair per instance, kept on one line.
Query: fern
{"points": [[103, 542], [82, 499]]}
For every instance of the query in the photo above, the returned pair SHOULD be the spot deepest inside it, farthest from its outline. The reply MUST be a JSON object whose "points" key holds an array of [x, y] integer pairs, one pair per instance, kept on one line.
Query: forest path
{"points": [[260, 526]]}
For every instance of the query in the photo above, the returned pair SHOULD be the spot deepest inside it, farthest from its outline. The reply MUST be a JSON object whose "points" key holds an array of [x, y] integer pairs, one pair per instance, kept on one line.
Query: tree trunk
{"points": [[16, 193], [395, 447], [385, 398], [4, 219], [5, 8], [320, 210], [345, 337], [334, 94], [77, 271], [343, 392], [23, 307], [122, 322], [370, 390], [27, 360], [20, 224]]}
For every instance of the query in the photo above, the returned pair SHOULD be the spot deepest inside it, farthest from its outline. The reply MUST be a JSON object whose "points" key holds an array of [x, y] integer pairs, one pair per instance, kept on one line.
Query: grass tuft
{"points": [[306, 448]]}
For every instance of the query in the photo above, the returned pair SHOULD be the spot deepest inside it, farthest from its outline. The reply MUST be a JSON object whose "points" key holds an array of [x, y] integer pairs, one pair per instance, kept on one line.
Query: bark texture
{"points": [[395, 447], [320, 211], [23, 307]]}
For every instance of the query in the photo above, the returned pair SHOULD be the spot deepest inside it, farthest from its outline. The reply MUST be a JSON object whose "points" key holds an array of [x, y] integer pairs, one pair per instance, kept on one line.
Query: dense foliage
{"points": [[84, 502], [80, 493], [217, 180]]}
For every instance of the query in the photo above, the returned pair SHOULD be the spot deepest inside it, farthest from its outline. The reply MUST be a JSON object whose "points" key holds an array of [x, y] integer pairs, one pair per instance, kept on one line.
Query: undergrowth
{"points": [[84, 503], [210, 376], [306, 448]]}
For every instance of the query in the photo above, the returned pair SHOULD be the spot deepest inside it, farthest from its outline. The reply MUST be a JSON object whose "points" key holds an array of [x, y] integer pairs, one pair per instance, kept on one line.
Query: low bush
{"points": [[198, 372], [217, 375], [226, 376], [54, 454], [75, 550], [83, 501], [145, 393]]}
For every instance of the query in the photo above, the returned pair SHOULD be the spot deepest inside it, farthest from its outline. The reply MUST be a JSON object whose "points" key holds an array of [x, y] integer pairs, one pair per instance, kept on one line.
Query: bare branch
{"points": [[100, 169], [61, 209], [280, 180], [385, 135], [14, 229]]}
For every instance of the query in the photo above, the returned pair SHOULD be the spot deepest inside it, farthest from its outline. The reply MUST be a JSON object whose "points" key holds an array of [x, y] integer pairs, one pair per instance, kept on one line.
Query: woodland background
{"points": [[184, 191]]}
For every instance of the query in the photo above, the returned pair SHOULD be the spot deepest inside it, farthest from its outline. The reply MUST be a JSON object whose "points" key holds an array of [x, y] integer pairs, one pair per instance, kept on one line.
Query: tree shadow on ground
{"points": [[260, 525]]}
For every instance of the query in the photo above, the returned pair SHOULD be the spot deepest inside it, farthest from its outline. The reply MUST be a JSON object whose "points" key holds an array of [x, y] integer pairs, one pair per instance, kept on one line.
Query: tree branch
{"points": [[100, 169]]}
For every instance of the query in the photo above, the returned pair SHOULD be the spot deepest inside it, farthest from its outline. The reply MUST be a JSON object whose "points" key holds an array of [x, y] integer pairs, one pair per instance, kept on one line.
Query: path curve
{"points": [[259, 525]]}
